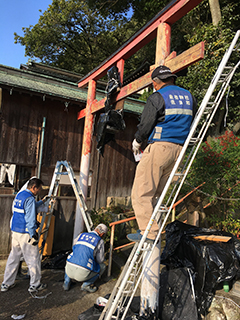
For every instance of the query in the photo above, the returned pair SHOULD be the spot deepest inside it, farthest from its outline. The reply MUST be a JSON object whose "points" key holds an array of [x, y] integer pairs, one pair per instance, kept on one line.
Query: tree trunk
{"points": [[215, 11]]}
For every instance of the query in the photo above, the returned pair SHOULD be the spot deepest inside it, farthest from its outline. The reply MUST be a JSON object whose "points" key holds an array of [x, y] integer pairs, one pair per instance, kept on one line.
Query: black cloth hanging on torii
{"points": [[111, 121]]}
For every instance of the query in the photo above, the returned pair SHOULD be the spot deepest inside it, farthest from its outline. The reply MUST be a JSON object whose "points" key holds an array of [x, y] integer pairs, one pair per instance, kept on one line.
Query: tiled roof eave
{"points": [[21, 81]]}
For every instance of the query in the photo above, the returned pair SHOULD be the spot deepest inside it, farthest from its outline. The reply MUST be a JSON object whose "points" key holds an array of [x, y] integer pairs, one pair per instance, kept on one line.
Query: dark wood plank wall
{"points": [[5, 216], [113, 173], [64, 213], [20, 130]]}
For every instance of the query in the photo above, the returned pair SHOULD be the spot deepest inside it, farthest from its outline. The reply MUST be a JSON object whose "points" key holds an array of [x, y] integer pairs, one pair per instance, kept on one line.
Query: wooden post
{"points": [[87, 138], [111, 250], [173, 214], [86, 153], [163, 43]]}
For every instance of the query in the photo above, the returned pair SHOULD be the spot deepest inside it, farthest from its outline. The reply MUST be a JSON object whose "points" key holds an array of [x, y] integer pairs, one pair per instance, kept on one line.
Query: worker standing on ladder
{"points": [[165, 121], [25, 237]]}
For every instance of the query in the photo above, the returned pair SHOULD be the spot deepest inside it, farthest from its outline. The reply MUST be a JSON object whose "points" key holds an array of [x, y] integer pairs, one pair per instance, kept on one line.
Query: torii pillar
{"points": [[160, 27]]}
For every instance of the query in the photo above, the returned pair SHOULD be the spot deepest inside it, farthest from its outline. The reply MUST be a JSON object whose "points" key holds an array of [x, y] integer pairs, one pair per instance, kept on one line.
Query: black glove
{"points": [[34, 240]]}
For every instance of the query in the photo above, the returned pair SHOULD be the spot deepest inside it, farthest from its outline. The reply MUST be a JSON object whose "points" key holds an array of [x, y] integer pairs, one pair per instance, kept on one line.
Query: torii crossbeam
{"points": [[159, 27]]}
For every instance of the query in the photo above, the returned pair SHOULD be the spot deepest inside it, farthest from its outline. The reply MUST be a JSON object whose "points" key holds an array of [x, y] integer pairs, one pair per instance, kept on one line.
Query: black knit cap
{"points": [[162, 72]]}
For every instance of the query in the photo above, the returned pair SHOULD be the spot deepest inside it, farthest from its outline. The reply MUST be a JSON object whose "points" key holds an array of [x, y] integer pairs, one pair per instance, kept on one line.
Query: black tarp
{"points": [[210, 262], [176, 296]]}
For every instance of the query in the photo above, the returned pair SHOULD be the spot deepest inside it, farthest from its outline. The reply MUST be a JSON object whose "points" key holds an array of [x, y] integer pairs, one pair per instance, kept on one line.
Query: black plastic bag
{"points": [[211, 262], [56, 262], [176, 296], [113, 86], [108, 124]]}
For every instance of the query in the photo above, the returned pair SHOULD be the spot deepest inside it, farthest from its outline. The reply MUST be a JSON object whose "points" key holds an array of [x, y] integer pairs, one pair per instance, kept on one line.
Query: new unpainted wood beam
{"points": [[183, 60]]}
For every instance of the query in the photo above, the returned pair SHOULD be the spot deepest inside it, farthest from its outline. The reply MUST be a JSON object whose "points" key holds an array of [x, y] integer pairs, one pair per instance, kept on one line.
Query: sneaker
{"points": [[5, 287], [66, 286], [89, 289], [136, 237], [40, 287]]}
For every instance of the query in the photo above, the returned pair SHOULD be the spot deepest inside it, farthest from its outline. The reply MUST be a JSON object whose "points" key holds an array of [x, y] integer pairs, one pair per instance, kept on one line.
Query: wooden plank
{"points": [[213, 238], [190, 56], [185, 59]]}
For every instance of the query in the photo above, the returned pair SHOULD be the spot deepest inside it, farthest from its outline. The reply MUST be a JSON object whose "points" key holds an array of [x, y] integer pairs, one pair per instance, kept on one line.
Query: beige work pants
{"points": [[151, 176], [30, 253]]}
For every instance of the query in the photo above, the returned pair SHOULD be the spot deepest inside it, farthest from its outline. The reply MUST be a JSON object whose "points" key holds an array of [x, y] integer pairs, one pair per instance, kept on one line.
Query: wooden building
{"points": [[39, 107]]}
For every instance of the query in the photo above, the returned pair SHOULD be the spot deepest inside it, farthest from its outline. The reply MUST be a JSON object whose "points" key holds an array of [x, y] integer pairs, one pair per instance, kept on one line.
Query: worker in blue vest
{"points": [[165, 122], [85, 263], [25, 237]]}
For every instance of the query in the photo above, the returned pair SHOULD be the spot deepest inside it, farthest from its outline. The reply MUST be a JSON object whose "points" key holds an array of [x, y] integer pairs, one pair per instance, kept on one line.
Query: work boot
{"points": [[136, 237], [89, 288]]}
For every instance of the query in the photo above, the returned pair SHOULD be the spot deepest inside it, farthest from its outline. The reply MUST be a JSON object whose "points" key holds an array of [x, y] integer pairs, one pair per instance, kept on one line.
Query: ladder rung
{"points": [[48, 214], [163, 209], [44, 231], [127, 291], [145, 249], [179, 174], [194, 140], [130, 282]]}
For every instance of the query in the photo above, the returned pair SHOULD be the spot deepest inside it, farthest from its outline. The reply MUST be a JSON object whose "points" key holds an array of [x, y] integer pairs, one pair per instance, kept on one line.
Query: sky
{"points": [[15, 14]]}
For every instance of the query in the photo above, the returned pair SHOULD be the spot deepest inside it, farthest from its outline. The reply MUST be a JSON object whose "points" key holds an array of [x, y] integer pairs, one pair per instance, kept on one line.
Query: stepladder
{"points": [[62, 168], [120, 300]]}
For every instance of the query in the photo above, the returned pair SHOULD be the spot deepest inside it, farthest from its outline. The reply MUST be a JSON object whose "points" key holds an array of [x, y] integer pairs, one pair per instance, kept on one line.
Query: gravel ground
{"points": [[54, 303]]}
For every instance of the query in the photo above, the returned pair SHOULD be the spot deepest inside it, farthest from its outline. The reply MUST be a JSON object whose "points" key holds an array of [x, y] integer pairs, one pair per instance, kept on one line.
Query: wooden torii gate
{"points": [[159, 27]]}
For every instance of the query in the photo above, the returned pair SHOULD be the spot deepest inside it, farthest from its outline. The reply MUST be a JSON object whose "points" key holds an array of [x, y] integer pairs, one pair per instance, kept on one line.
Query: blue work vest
{"points": [[178, 116], [18, 223], [83, 250]]}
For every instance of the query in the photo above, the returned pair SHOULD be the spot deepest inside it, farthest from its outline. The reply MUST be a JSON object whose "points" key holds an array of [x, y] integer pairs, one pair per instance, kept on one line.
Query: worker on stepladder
{"points": [[165, 121], [25, 237], [85, 263]]}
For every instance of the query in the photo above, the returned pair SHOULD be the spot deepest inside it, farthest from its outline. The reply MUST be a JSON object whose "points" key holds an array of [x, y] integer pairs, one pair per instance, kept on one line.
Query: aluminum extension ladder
{"points": [[46, 216], [127, 284]]}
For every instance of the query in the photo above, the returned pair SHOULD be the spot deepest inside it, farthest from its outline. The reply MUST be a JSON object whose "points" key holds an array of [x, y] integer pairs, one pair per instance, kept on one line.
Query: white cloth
{"points": [[136, 146], [21, 247], [9, 170], [150, 281]]}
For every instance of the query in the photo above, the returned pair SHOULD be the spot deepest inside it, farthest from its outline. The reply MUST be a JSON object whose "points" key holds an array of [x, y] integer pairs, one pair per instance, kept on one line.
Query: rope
{"points": [[226, 114], [39, 297], [229, 300], [209, 195]]}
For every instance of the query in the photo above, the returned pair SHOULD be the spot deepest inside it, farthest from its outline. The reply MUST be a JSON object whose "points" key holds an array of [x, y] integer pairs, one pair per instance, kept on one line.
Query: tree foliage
{"points": [[217, 164], [71, 36], [217, 40], [78, 35]]}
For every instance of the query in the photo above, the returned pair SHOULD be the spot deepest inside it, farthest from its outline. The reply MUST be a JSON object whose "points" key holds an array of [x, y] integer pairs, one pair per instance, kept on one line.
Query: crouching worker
{"points": [[85, 263]]}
